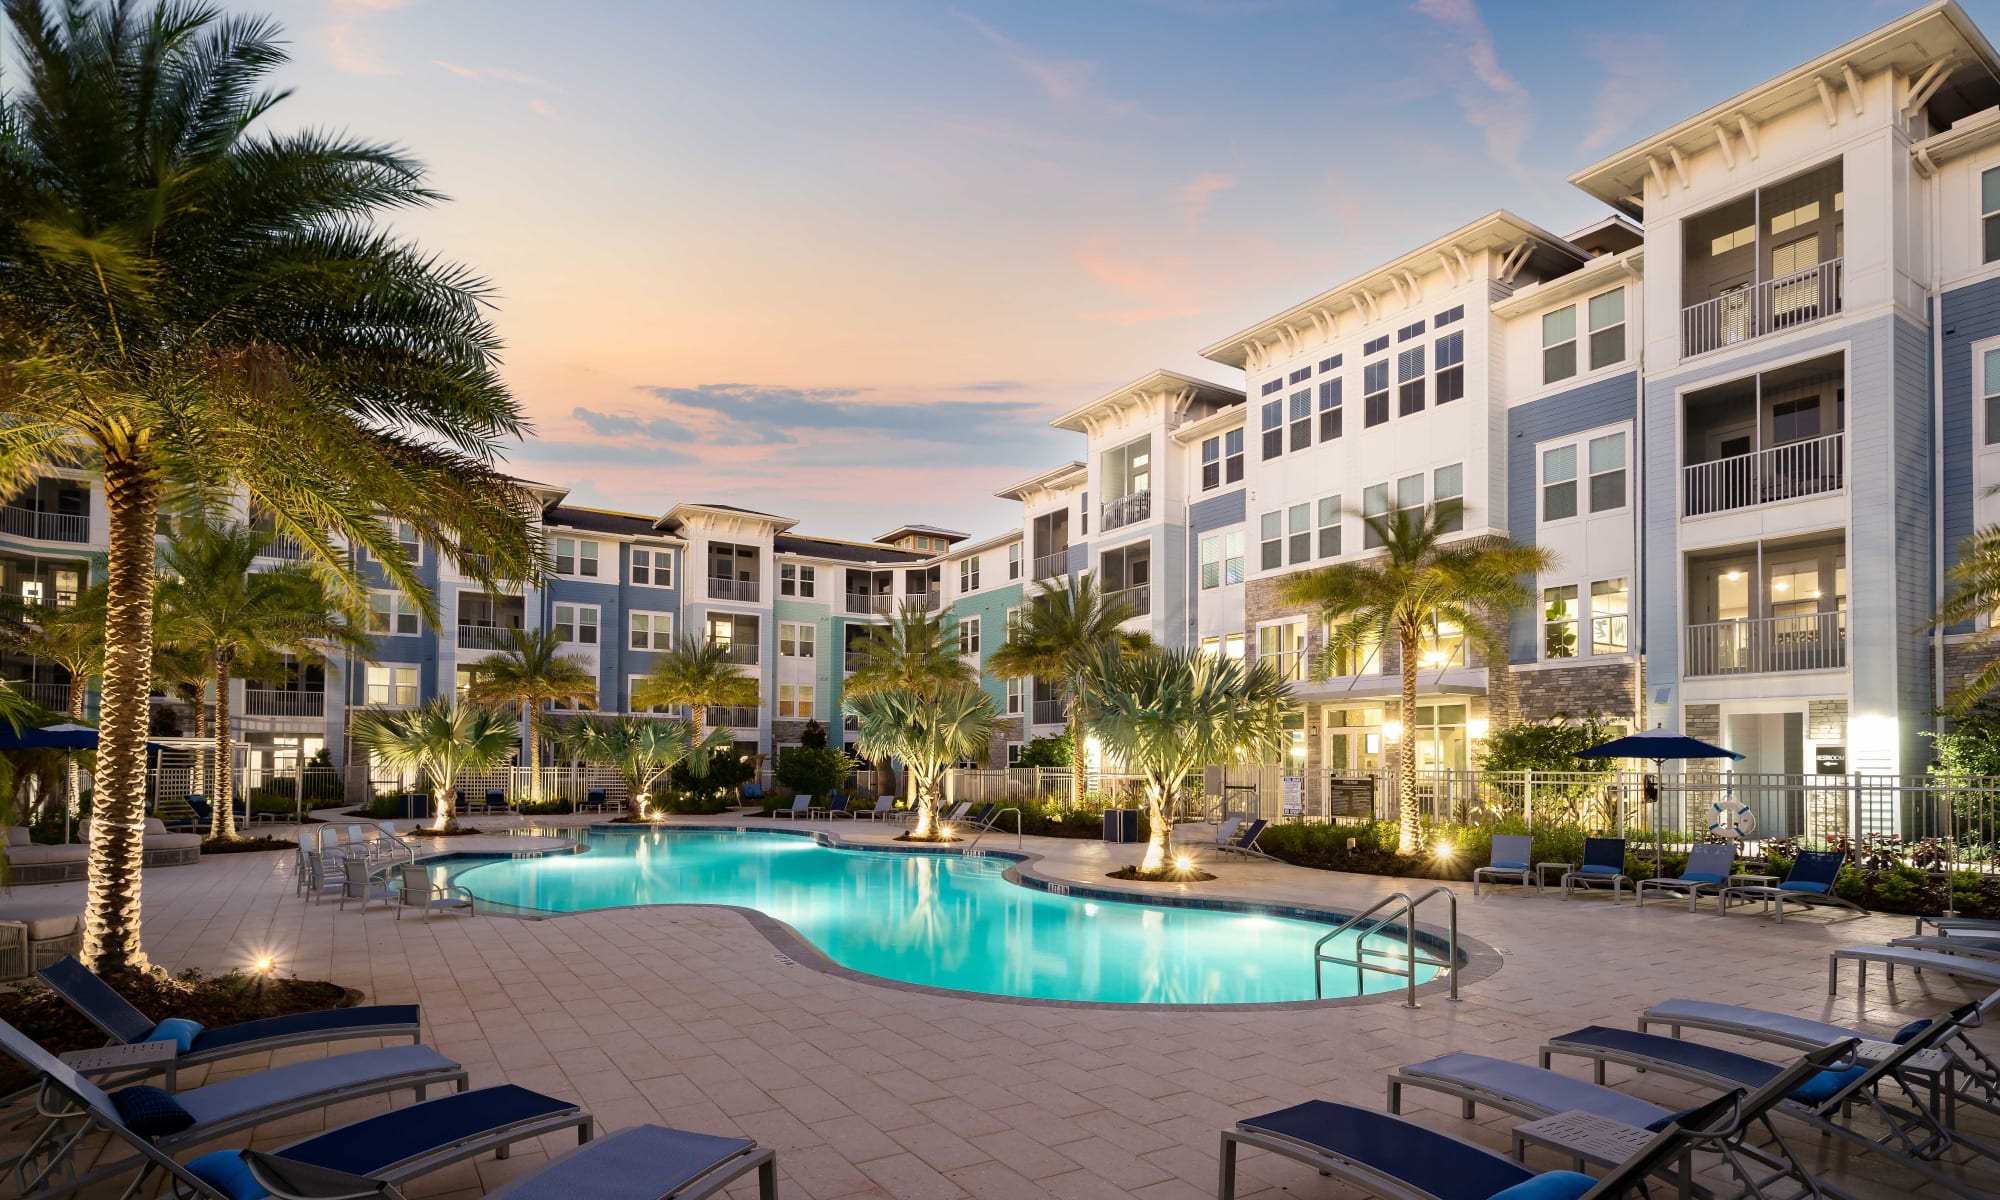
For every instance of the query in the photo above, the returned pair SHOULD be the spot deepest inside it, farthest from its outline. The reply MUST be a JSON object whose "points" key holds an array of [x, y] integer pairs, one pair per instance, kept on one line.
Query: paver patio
{"points": [[688, 1016]]}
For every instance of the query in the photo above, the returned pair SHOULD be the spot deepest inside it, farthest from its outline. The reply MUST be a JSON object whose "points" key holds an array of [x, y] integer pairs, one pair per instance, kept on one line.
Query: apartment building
{"points": [[1753, 412]]}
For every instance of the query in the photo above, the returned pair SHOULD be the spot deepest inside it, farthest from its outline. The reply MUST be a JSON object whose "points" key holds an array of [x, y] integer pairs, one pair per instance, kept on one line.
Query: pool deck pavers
{"points": [[689, 1017]]}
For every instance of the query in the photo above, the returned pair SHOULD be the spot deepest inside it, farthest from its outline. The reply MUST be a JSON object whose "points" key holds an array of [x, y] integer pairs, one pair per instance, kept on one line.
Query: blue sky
{"points": [[843, 260]]}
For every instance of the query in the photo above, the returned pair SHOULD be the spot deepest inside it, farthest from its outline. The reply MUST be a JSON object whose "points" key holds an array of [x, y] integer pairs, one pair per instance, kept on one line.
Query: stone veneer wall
{"points": [[1703, 721], [1549, 692], [1826, 720], [1965, 658]]}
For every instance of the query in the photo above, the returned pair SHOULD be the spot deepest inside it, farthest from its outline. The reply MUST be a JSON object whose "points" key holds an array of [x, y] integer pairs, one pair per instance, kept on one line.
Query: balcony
{"points": [[1772, 306], [44, 526], [853, 661], [52, 696], [1126, 510], [927, 601], [1768, 645], [485, 637], [1052, 564], [1050, 712], [1793, 471], [871, 606], [732, 589], [272, 702], [741, 653], [1138, 600], [730, 718], [283, 547]]}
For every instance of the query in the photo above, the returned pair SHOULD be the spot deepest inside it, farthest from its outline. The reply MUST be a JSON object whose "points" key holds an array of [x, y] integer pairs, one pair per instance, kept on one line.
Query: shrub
{"points": [[810, 771], [695, 803], [726, 773], [813, 736], [1047, 752]]}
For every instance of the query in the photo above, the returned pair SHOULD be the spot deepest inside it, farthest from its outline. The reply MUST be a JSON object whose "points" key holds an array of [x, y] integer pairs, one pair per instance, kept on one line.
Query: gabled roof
{"points": [[1063, 476], [678, 514], [1186, 392], [935, 531], [601, 520]]}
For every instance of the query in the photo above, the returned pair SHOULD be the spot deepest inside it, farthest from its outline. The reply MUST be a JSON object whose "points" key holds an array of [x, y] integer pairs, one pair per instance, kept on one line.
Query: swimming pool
{"points": [[938, 920]]}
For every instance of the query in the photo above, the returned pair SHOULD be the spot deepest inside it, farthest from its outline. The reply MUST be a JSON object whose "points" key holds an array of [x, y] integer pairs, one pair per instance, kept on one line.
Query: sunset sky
{"points": [[843, 260]]}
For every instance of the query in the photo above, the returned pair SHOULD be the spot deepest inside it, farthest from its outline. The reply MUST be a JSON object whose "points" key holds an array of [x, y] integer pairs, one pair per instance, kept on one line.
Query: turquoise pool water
{"points": [[938, 920]]}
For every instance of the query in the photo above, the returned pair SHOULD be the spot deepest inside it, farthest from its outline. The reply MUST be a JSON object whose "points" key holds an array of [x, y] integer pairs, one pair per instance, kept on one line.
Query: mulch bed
{"points": [[222, 1000], [1192, 875], [933, 841], [461, 831], [246, 845]]}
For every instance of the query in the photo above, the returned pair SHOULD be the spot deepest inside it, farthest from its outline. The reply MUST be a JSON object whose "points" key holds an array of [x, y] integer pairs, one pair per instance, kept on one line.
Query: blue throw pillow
{"points": [[1826, 1085], [1549, 1185], [151, 1112], [178, 1030], [1510, 866], [1801, 886], [226, 1172]]}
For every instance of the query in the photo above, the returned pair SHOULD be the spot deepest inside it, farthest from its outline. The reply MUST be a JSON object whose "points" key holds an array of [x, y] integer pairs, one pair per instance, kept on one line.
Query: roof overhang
{"points": [[1974, 133], [680, 513], [936, 531], [1597, 273], [1063, 476], [1927, 45], [1181, 392], [1522, 241], [1214, 422]]}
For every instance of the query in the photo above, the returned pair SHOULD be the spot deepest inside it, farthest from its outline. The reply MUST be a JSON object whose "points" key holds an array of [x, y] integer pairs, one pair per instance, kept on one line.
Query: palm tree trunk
{"points": [[927, 809], [76, 697], [534, 754], [117, 848], [1162, 827], [222, 821], [444, 805], [1410, 836], [1077, 776]]}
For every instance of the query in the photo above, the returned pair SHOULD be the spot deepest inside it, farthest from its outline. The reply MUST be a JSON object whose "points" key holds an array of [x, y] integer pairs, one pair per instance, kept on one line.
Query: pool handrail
{"points": [[992, 821], [1407, 911]]}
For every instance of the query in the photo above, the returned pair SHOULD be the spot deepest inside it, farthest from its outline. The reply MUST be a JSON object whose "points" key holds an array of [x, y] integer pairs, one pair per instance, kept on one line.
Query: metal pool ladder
{"points": [[1367, 924]]}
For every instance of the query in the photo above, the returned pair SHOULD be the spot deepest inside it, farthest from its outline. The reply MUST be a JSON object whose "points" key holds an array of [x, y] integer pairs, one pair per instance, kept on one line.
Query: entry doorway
{"points": [[1352, 742]]}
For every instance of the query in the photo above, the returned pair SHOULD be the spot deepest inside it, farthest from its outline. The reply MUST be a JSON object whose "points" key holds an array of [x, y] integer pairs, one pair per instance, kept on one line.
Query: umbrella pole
{"points": [[1659, 835]]}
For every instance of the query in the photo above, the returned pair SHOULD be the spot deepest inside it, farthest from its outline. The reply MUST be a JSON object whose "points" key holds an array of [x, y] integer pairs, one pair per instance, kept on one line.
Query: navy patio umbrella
{"points": [[68, 736], [1659, 744]]}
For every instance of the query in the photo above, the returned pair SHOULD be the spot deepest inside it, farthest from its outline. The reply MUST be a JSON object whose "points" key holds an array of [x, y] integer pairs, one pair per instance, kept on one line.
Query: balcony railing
{"points": [[484, 637], [1050, 712], [732, 589], [47, 596], [1811, 467], [853, 661], [281, 546], [730, 718], [271, 702], [52, 696], [1055, 562], [1772, 306], [1126, 510], [1139, 600], [1764, 645], [927, 601], [742, 653], [871, 606], [45, 526]]}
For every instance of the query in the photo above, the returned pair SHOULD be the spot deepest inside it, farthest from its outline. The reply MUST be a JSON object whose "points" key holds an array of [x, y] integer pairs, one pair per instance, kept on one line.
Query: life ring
{"points": [[1731, 819]]}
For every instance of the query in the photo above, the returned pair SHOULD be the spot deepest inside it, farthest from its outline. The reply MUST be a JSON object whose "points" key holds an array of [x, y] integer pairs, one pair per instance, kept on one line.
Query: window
{"points": [[1607, 472], [1211, 646], [1128, 471], [795, 699], [632, 685], [1375, 345], [1211, 464], [574, 557], [795, 639], [1410, 495], [1607, 328], [1014, 561], [1015, 692], [1559, 483], [392, 686], [1720, 246], [1232, 646], [1455, 313], [1329, 364], [1271, 541], [968, 635], [1299, 518], [653, 568], [1409, 331], [1232, 456], [1450, 366], [1274, 429], [968, 574], [1374, 504], [1232, 556], [1989, 214], [1610, 606], [1559, 344], [1559, 622], [795, 579], [393, 613], [1013, 754], [1211, 561], [1013, 622], [652, 631], [1329, 526], [1448, 491], [1284, 647], [1302, 423], [1300, 375], [1127, 574], [1272, 385], [1329, 409], [576, 623], [1410, 381], [1362, 648], [1794, 420], [1374, 393], [406, 537]]}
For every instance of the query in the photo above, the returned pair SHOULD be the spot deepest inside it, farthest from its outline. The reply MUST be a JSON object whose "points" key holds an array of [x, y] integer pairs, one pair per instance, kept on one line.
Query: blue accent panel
{"points": [[1914, 530], [1969, 314]]}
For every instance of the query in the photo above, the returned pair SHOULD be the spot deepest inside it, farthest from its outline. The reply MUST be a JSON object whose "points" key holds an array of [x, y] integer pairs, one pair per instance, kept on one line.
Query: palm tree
{"points": [[440, 739], [532, 671], [1417, 587], [641, 749], [190, 302], [1167, 714], [695, 675], [1067, 628], [241, 622], [916, 652], [928, 732], [1973, 591]]}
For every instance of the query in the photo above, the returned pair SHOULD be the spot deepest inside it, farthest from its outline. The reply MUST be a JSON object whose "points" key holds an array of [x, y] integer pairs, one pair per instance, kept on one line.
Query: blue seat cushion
{"points": [[1826, 1085], [1800, 885], [326, 1022], [371, 1146], [178, 1030], [226, 1172], [1509, 866], [151, 1112], [1590, 869], [1911, 1030], [1549, 1185], [1701, 879], [1433, 1162]]}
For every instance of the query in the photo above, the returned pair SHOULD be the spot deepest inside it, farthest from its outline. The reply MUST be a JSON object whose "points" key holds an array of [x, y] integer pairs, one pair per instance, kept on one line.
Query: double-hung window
{"points": [[1410, 381], [968, 574], [1232, 556], [1300, 532], [968, 635], [1014, 561], [1448, 493], [1559, 483], [391, 686], [1271, 540], [576, 623], [1607, 472], [406, 537], [1409, 496], [1607, 328], [1989, 215], [1329, 409], [1374, 509], [1284, 647], [1232, 456], [653, 568], [795, 639], [1211, 561], [1302, 423], [1559, 344], [1989, 391], [394, 614], [1450, 367], [1559, 622], [1374, 393], [651, 631], [576, 557], [1329, 526], [795, 699], [1211, 464], [1610, 610], [1274, 428], [1016, 690]]}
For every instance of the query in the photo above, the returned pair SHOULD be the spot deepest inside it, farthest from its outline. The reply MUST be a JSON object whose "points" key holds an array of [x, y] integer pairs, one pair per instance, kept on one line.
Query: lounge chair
{"points": [[1957, 966], [239, 1102], [419, 891], [363, 880], [1946, 926], [1245, 842], [836, 806], [1987, 949], [496, 800], [980, 818], [1913, 1135], [1603, 862], [1708, 868], [124, 1025], [1397, 1159], [1513, 858], [885, 808], [1809, 882], [953, 817], [593, 800], [801, 807]]}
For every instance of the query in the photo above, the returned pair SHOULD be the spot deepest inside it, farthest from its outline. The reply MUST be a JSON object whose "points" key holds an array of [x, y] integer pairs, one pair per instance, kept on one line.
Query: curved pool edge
{"points": [[1479, 961]]}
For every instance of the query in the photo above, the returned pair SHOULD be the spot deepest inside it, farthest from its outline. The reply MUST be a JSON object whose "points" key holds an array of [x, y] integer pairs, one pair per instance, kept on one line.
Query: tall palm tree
{"points": [[1167, 714], [695, 675], [191, 302], [441, 739], [241, 622], [1417, 587], [928, 732], [532, 671], [1066, 629], [917, 652], [640, 749]]}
